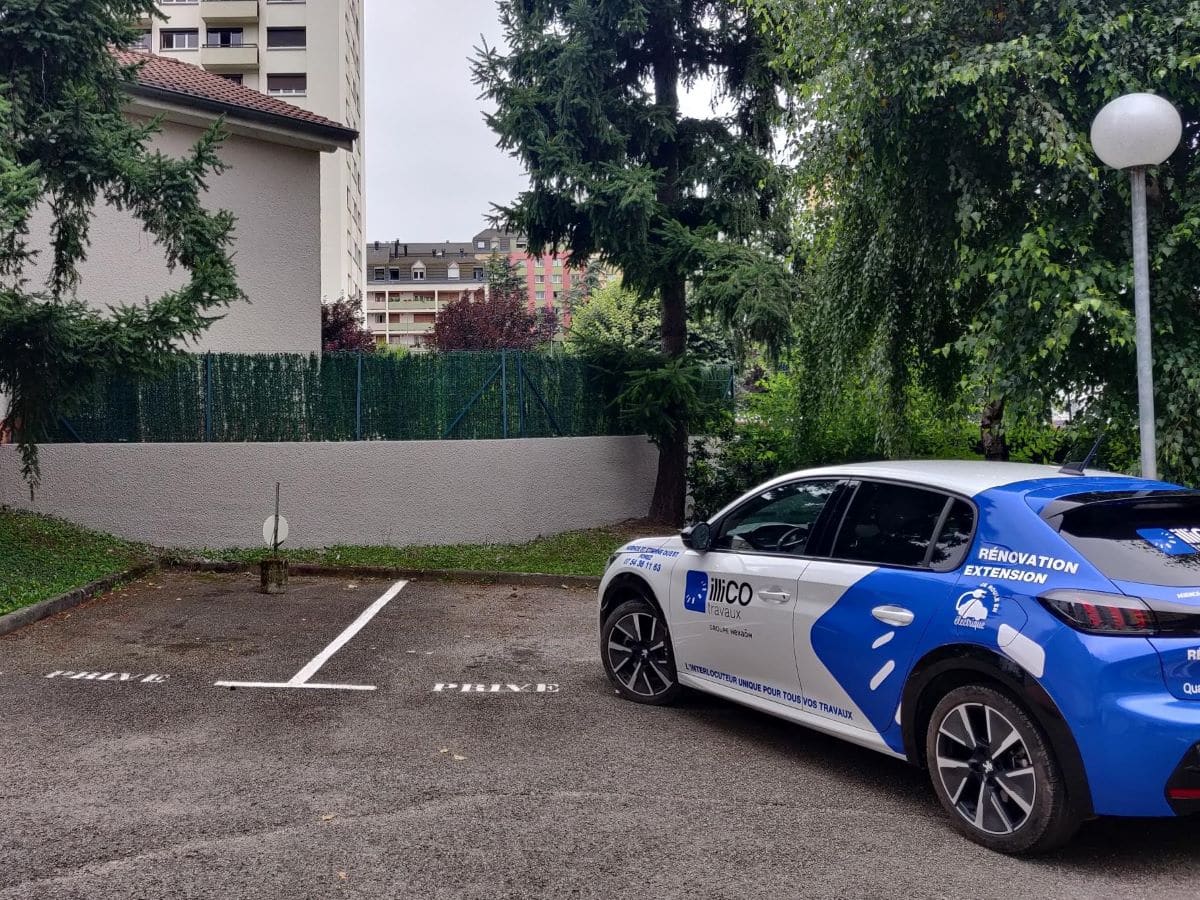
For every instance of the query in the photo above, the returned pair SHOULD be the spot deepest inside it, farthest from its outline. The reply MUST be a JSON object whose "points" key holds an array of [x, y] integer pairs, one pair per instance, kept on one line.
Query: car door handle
{"points": [[893, 615], [775, 596]]}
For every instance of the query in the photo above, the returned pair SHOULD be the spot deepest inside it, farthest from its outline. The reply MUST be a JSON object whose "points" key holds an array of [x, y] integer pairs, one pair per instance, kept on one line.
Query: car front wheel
{"points": [[995, 774], [636, 649]]}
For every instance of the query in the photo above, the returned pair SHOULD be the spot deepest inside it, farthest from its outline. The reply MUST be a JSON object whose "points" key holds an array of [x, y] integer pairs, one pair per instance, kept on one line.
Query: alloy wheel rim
{"points": [[985, 768], [638, 654]]}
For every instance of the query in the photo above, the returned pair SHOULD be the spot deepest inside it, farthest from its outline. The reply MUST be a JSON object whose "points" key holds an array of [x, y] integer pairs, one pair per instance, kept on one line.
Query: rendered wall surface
{"points": [[369, 492], [275, 193]]}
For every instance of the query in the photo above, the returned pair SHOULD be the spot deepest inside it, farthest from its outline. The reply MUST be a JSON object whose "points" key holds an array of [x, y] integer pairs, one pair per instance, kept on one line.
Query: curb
{"points": [[27, 615], [35, 612], [529, 579]]}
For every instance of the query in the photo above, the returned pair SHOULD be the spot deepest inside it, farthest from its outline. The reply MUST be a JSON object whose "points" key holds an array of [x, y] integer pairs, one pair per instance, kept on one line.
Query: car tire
{"points": [[995, 774], [635, 646]]}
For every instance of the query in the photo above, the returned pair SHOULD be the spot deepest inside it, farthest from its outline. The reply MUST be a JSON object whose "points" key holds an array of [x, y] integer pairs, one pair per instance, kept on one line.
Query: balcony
{"points": [[228, 12], [229, 57], [413, 304]]}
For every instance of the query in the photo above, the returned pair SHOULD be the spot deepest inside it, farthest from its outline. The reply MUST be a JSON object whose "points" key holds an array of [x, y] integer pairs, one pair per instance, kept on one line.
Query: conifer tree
{"points": [[588, 98], [66, 146]]}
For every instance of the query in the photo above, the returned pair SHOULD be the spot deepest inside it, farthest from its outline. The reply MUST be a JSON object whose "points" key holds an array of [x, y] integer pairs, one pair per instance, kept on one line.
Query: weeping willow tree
{"points": [[959, 230], [65, 147]]}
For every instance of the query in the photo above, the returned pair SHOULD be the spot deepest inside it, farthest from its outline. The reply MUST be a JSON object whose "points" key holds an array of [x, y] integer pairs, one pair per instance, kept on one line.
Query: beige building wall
{"points": [[331, 61], [274, 191]]}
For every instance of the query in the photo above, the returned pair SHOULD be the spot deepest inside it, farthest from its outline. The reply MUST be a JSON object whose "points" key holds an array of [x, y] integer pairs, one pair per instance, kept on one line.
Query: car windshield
{"points": [[1151, 539]]}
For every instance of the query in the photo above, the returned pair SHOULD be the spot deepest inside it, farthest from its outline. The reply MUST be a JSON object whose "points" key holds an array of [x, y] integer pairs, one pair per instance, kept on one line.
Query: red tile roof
{"points": [[162, 73]]}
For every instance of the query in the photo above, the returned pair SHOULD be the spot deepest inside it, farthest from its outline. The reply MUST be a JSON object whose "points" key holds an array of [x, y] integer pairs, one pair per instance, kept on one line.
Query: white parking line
{"points": [[300, 679]]}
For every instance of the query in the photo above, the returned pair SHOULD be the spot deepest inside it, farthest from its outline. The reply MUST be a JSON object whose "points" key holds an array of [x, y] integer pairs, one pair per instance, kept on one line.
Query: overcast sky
{"points": [[433, 168]]}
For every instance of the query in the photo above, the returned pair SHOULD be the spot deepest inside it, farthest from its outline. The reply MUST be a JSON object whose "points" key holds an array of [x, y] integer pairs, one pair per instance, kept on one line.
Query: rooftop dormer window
{"points": [[418, 271]]}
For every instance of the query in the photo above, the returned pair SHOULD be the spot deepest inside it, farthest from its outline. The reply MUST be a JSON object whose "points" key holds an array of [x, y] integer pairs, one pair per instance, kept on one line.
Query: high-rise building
{"points": [[309, 53]]}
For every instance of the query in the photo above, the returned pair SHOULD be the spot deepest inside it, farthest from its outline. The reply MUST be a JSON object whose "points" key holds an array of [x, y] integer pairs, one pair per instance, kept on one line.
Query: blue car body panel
{"points": [[1123, 698]]}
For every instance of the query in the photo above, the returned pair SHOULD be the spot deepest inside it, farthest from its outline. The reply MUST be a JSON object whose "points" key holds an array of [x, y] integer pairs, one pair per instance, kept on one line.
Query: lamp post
{"points": [[1134, 132]]}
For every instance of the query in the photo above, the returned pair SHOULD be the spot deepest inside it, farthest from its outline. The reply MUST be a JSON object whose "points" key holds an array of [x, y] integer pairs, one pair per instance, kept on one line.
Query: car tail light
{"points": [[1097, 613]]}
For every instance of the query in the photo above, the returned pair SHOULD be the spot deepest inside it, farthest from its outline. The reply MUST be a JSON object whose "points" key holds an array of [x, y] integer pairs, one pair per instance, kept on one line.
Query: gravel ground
{"points": [[170, 786]]}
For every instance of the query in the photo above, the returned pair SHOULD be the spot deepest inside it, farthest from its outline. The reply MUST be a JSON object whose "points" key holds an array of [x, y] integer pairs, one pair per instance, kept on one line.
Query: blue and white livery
{"points": [[1030, 635]]}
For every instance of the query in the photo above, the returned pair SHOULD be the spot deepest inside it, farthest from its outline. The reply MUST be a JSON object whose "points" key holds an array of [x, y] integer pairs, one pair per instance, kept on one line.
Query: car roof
{"points": [[969, 477]]}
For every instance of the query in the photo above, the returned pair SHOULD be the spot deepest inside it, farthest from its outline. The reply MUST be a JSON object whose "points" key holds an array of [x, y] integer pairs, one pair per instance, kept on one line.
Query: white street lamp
{"points": [[1133, 132]]}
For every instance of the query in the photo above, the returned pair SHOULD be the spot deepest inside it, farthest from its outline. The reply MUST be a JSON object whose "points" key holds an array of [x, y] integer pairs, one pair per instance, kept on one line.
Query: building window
{"points": [[418, 272], [557, 279], [481, 245], [235, 77], [539, 279], [558, 263], [179, 39], [477, 273], [394, 273], [286, 38], [452, 270], [539, 295], [142, 41], [377, 274], [287, 84], [224, 37]]}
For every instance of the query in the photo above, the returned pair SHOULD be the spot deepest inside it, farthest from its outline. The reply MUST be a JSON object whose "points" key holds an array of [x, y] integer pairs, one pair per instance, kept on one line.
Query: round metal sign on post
{"points": [[269, 535]]}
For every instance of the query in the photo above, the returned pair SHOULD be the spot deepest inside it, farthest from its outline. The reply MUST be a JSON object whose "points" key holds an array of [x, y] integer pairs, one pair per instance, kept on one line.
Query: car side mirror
{"points": [[697, 537]]}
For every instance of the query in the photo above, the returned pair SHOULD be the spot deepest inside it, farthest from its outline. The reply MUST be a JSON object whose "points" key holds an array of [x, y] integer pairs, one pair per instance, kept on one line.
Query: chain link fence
{"points": [[356, 396]]}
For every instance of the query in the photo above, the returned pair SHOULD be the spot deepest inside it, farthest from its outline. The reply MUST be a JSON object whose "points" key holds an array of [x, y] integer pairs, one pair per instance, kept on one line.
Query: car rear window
{"points": [[1151, 539]]}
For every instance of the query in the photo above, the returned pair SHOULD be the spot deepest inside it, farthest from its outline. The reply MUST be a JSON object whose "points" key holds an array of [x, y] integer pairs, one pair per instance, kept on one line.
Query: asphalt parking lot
{"points": [[130, 772]]}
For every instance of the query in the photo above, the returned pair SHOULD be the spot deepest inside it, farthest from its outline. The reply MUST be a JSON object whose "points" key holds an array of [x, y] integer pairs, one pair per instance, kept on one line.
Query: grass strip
{"points": [[42, 557]]}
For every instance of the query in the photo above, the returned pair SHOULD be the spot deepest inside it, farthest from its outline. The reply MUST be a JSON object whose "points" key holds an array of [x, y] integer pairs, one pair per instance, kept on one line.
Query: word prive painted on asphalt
{"points": [[138, 677], [454, 687]]}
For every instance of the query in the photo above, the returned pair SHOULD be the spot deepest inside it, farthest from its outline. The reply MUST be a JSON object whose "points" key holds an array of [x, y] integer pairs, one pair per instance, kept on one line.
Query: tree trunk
{"points": [[670, 487], [991, 434]]}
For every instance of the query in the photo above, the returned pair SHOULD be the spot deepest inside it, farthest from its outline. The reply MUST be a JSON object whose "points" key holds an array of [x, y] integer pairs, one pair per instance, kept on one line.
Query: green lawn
{"points": [[571, 553], [42, 557]]}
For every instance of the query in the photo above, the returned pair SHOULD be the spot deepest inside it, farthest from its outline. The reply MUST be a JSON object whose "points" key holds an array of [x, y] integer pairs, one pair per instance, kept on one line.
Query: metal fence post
{"points": [[208, 396], [358, 401], [504, 393], [520, 395]]}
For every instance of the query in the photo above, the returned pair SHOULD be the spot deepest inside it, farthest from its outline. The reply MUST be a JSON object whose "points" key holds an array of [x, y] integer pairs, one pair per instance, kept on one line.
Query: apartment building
{"points": [[308, 53], [408, 284], [547, 276]]}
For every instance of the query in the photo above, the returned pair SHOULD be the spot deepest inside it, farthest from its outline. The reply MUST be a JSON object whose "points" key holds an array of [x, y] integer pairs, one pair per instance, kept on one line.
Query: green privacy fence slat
{"points": [[349, 396]]}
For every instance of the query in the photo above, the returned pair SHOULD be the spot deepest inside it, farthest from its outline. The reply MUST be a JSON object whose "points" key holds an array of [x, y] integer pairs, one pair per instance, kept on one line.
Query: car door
{"points": [[860, 614], [732, 606]]}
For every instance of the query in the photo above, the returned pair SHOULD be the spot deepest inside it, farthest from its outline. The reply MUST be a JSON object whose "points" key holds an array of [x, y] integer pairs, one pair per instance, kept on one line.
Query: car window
{"points": [[1152, 540], [955, 537], [779, 520], [889, 524]]}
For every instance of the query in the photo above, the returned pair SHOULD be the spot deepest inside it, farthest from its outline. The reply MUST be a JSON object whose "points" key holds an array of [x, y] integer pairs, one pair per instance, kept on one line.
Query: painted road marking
{"points": [[138, 677], [531, 688], [300, 679]]}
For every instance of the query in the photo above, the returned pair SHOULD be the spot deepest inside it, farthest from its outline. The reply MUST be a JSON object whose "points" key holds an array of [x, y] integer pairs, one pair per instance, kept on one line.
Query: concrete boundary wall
{"points": [[371, 492]]}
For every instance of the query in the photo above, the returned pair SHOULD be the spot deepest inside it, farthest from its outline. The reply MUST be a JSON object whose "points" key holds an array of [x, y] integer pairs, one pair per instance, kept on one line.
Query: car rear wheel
{"points": [[636, 649], [995, 774]]}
